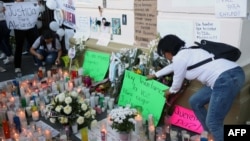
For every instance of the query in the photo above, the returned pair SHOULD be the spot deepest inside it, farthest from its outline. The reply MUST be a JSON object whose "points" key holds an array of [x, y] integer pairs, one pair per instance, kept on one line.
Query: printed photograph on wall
{"points": [[116, 26], [93, 25], [124, 19], [69, 18]]}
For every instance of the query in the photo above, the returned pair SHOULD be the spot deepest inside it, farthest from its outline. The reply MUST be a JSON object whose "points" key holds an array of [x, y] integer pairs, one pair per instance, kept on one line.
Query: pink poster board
{"points": [[186, 119]]}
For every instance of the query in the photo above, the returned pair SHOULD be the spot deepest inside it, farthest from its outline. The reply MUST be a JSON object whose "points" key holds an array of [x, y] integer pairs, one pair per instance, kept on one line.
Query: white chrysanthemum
{"points": [[52, 120], [60, 97], [132, 120], [74, 94], [87, 114], [58, 108], [93, 112], [67, 109], [80, 120], [84, 107], [81, 100], [93, 124], [68, 100]]}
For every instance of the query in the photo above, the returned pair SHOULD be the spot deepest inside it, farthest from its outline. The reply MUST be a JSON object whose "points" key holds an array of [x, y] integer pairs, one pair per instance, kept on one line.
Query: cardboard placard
{"points": [[148, 94], [96, 64], [186, 119]]}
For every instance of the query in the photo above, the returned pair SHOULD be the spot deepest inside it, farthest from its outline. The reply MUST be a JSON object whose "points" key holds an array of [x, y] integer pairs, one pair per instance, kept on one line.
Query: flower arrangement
{"points": [[69, 108], [123, 119]]}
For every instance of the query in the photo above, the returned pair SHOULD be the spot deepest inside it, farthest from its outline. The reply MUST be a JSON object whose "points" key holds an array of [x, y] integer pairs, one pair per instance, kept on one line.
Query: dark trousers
{"points": [[5, 39], [20, 36]]}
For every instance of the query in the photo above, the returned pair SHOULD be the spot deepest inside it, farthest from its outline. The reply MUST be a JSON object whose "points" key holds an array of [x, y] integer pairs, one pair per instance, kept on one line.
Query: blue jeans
{"points": [[48, 57], [220, 99]]}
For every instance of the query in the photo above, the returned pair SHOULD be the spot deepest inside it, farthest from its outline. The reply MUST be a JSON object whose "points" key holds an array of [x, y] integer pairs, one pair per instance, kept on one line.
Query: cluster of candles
{"points": [[24, 99]]}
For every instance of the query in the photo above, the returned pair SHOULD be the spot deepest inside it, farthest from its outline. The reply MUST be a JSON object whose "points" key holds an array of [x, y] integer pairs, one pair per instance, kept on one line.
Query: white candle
{"points": [[61, 86], [47, 134], [80, 71], [22, 91], [48, 73], [21, 115], [27, 98], [92, 101], [10, 115], [151, 129], [138, 124], [35, 115]]}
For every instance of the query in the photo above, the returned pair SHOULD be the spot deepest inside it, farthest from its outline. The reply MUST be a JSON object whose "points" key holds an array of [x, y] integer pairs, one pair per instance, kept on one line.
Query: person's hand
{"points": [[166, 93], [57, 62], [39, 56], [151, 76]]}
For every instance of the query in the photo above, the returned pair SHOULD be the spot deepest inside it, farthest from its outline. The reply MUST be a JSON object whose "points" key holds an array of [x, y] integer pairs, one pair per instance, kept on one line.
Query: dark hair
{"points": [[170, 43], [48, 34]]}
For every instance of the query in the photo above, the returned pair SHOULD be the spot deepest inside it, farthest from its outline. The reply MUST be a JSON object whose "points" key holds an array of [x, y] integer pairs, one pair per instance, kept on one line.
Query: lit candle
{"points": [[103, 134], [159, 138], [47, 134], [35, 115], [138, 123], [70, 86], [21, 115], [11, 99], [151, 129]]}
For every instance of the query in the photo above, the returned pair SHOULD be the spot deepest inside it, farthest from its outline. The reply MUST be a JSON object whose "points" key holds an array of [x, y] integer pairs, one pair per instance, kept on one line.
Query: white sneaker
{"points": [[25, 52], [2, 69], [8, 60], [2, 56], [17, 70]]}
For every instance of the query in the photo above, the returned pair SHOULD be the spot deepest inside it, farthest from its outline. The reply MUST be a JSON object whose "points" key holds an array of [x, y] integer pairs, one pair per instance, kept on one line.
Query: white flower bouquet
{"points": [[123, 119], [69, 108]]}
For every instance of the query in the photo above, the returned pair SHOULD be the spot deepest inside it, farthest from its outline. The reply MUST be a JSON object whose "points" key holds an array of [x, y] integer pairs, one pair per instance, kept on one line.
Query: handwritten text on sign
{"points": [[148, 94], [21, 15], [96, 64], [231, 8], [185, 118]]}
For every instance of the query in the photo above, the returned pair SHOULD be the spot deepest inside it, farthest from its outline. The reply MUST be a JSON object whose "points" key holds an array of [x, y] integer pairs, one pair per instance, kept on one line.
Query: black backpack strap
{"points": [[200, 63]]}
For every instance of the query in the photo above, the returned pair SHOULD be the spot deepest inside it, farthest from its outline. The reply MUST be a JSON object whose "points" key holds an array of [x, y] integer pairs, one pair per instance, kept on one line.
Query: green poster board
{"points": [[148, 94], [96, 64]]}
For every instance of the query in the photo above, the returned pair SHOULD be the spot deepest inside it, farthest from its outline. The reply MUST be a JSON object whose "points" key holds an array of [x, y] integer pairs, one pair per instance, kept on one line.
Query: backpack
{"points": [[220, 50]]}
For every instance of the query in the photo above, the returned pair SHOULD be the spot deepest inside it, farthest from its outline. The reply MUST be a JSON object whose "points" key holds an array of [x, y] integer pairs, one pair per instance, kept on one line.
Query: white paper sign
{"points": [[21, 15], [209, 30], [231, 8], [71, 52], [103, 39]]}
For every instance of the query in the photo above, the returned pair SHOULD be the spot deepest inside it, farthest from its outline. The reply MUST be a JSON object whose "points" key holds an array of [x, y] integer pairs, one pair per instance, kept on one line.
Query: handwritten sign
{"points": [[148, 94], [231, 8], [209, 30], [96, 64], [21, 15], [145, 21], [186, 118]]}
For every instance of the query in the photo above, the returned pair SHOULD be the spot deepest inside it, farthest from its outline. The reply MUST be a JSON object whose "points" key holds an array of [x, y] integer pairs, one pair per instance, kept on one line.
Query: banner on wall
{"points": [[21, 15], [137, 91], [69, 17]]}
